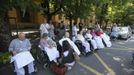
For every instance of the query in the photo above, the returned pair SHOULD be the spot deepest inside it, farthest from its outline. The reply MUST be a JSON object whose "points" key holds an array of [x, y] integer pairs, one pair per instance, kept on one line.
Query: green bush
{"points": [[4, 57]]}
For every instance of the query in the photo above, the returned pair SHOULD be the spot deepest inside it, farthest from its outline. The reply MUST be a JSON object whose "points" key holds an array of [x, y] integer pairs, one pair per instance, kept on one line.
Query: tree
{"points": [[112, 10], [74, 9], [51, 7]]}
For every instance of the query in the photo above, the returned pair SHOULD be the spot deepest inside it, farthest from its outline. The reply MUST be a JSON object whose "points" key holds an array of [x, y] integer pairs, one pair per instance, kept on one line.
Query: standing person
{"points": [[17, 46], [114, 31], [51, 30], [114, 28], [62, 29], [74, 31], [44, 27]]}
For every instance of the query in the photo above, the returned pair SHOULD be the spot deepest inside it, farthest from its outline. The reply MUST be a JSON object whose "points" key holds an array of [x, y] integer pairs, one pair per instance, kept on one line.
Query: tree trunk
{"points": [[5, 34], [70, 19], [106, 24], [49, 17]]}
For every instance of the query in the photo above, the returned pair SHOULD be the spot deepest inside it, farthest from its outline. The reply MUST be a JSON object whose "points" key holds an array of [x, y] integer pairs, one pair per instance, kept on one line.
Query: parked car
{"points": [[124, 32]]}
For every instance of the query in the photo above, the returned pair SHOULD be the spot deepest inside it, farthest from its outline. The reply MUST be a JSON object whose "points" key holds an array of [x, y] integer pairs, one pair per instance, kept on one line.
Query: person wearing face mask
{"points": [[20, 45]]}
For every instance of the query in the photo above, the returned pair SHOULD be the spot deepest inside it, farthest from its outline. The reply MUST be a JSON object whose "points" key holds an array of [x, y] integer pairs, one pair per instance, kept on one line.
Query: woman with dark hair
{"points": [[67, 57], [66, 37]]}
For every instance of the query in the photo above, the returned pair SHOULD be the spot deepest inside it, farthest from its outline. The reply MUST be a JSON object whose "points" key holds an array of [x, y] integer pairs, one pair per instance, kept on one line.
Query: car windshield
{"points": [[123, 28]]}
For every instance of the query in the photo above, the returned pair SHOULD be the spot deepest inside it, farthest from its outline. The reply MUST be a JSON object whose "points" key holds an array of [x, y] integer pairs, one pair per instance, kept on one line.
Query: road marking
{"points": [[89, 68], [126, 47], [110, 71], [119, 49]]}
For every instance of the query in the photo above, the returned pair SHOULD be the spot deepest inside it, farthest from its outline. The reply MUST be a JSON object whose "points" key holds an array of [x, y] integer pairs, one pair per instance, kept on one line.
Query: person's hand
{"points": [[14, 52]]}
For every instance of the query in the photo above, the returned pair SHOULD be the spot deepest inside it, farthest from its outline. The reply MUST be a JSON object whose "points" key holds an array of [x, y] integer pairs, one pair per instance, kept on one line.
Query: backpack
{"points": [[58, 70]]}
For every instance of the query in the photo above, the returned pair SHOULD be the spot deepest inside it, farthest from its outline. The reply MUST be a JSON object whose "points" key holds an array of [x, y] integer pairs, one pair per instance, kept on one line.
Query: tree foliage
{"points": [[51, 7], [76, 8]]}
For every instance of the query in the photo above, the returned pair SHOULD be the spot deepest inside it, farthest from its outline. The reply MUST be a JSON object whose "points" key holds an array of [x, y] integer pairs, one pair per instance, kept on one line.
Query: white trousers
{"points": [[86, 45], [94, 44], [21, 71]]}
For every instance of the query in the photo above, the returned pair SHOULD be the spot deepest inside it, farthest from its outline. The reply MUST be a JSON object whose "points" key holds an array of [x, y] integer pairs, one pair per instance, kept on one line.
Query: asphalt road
{"points": [[116, 60]]}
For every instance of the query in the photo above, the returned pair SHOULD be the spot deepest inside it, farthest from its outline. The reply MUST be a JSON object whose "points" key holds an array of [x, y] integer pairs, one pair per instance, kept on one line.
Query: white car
{"points": [[124, 32]]}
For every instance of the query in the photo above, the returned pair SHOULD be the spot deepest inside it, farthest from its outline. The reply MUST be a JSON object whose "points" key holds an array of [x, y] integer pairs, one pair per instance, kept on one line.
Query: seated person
{"points": [[90, 39], [114, 32], [99, 42], [67, 57], [20, 45], [81, 38], [66, 37], [93, 32], [49, 46], [106, 39], [43, 41]]}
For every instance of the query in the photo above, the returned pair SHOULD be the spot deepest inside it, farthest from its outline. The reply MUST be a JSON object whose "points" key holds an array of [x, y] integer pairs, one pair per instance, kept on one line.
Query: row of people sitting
{"points": [[92, 40], [63, 51]]}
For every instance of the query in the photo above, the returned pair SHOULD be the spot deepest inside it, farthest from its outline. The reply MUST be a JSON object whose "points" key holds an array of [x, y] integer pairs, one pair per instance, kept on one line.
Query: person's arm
{"points": [[11, 47], [28, 45], [41, 26], [41, 45], [54, 43]]}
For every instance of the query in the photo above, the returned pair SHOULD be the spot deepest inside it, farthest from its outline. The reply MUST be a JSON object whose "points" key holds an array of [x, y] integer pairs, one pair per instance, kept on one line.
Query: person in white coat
{"points": [[51, 30], [74, 32], [44, 28]]}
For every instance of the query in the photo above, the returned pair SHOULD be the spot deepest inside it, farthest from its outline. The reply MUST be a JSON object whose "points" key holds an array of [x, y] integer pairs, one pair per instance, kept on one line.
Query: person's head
{"points": [[45, 36], [92, 30], [21, 36], [80, 23], [62, 23], [66, 45], [88, 31], [74, 23], [67, 34]]}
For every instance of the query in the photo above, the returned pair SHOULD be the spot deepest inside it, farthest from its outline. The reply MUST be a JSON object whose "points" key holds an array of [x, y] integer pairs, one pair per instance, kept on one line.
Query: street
{"points": [[116, 60]]}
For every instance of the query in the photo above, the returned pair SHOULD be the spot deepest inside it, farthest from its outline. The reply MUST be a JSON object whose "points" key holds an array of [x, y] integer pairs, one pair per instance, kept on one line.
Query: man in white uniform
{"points": [[44, 27], [74, 31]]}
